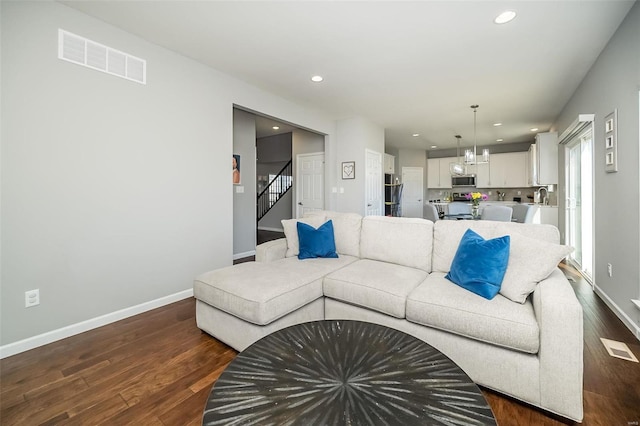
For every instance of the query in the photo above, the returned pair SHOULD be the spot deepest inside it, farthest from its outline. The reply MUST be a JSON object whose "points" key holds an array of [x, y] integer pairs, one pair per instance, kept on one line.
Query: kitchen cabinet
{"points": [[389, 164], [483, 177], [546, 215], [515, 172], [438, 175], [507, 170], [543, 160]]}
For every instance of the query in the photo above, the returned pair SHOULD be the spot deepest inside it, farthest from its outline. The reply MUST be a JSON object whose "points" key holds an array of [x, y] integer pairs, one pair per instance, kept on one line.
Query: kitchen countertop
{"points": [[489, 202]]}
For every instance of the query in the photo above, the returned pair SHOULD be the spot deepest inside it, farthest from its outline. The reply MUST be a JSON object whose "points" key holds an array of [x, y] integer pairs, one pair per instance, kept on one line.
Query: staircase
{"points": [[278, 186]]}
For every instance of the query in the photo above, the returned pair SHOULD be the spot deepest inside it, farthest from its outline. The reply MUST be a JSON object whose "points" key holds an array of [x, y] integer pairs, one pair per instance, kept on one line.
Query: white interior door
{"points": [[412, 191], [309, 183], [373, 184]]}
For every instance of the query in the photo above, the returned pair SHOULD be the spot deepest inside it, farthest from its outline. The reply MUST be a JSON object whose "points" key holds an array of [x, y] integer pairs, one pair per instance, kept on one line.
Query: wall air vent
{"points": [[82, 51]]}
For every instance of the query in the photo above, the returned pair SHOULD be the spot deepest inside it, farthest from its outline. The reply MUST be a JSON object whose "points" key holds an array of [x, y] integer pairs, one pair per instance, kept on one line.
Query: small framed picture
{"points": [[236, 169], [609, 159], [608, 125], [608, 142], [349, 170]]}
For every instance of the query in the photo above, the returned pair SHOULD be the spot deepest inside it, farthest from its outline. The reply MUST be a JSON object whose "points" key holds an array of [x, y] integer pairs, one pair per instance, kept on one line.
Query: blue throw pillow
{"points": [[316, 242], [479, 265]]}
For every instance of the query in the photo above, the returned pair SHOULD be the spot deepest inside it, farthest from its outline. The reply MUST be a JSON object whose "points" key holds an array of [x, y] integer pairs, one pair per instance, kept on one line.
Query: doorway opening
{"points": [[579, 202], [267, 193]]}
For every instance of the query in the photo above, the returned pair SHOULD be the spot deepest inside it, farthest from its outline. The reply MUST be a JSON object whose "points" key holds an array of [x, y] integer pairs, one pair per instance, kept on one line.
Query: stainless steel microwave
{"points": [[466, 180]]}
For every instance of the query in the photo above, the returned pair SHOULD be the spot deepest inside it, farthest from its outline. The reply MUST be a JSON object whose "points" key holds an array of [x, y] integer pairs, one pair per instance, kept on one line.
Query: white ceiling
{"points": [[411, 67]]}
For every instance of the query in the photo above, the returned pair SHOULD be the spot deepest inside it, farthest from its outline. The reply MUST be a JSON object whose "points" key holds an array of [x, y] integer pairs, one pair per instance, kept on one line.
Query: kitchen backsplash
{"points": [[510, 194]]}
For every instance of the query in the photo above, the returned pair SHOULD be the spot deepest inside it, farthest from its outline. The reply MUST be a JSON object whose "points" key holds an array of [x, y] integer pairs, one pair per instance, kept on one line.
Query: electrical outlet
{"points": [[31, 298], [609, 270]]}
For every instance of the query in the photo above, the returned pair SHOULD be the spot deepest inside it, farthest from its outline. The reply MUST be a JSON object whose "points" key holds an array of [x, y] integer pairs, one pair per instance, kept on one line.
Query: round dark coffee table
{"points": [[344, 373]]}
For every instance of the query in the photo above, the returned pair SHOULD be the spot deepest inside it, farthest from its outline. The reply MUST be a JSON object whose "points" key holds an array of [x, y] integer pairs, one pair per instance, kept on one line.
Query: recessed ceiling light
{"points": [[499, 140], [416, 135], [497, 124], [317, 78], [534, 129], [275, 128], [434, 146], [505, 17]]}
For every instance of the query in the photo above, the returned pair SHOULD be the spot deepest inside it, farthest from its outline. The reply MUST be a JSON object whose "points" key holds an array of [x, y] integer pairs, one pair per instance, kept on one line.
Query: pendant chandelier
{"points": [[471, 157], [457, 168]]}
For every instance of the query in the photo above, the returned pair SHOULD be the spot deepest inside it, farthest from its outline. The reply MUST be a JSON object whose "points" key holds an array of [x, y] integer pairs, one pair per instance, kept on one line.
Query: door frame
{"points": [[577, 139]]}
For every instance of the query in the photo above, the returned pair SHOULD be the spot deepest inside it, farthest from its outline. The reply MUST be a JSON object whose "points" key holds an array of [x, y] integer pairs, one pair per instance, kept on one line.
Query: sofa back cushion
{"points": [[346, 228], [448, 233], [290, 227], [400, 240]]}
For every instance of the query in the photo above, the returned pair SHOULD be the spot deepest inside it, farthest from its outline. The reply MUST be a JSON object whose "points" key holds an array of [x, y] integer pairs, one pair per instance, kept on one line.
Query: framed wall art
{"points": [[611, 142], [349, 170], [236, 169]]}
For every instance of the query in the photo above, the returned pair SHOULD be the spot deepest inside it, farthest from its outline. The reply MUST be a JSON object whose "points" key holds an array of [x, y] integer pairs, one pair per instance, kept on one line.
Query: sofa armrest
{"points": [[271, 250], [559, 316]]}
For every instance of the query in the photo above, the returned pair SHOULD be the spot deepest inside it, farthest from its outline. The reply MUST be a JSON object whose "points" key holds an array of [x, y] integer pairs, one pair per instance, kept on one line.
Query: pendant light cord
{"points": [[475, 136]]}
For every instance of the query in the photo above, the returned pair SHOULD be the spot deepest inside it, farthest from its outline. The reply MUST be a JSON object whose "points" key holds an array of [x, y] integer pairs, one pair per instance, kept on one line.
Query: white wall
{"points": [[113, 193], [355, 135], [613, 82], [244, 202]]}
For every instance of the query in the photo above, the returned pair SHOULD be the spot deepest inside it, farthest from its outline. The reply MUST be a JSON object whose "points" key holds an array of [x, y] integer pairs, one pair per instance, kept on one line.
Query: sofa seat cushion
{"points": [[379, 286], [441, 304], [263, 292]]}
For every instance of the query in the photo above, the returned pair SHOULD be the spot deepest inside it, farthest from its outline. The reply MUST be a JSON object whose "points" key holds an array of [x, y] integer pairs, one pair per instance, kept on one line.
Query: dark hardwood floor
{"points": [[157, 368], [263, 236]]}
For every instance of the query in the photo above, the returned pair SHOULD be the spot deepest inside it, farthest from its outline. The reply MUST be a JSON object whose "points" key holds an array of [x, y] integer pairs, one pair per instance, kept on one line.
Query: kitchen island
{"points": [[545, 214]]}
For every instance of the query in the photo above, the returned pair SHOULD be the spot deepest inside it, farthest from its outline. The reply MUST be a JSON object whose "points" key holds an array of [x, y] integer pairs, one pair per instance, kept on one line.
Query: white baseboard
{"points": [[266, 228], [243, 255], [73, 329], [619, 312]]}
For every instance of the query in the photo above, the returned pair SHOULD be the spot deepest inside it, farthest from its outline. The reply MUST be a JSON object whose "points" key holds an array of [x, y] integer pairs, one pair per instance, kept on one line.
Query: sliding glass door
{"points": [[579, 203]]}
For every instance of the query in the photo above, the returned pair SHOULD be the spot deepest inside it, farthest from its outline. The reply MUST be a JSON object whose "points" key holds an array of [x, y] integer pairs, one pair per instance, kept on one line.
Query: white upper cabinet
{"points": [[483, 177], [445, 173], [543, 159], [503, 171], [509, 170], [389, 164], [516, 170], [438, 175]]}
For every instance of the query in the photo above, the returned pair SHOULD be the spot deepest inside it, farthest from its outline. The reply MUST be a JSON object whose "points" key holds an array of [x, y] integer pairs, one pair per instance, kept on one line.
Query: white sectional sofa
{"points": [[391, 271]]}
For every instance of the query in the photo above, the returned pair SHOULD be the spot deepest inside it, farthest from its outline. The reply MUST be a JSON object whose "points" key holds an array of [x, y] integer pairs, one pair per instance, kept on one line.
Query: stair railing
{"points": [[278, 186]]}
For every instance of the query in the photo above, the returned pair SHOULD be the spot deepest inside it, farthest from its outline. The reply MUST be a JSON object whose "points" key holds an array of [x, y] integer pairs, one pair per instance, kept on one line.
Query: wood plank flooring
{"points": [[157, 368]]}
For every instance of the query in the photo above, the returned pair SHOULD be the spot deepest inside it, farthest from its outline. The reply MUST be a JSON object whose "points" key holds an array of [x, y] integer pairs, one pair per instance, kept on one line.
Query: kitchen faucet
{"points": [[543, 200]]}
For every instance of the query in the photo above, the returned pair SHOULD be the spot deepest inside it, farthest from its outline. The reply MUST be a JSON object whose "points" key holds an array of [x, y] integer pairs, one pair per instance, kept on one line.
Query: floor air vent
{"points": [[618, 350], [82, 51]]}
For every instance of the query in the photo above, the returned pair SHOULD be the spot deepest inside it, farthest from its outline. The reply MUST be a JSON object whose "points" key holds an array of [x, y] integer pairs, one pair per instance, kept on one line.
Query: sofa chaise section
{"points": [[260, 293]]}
